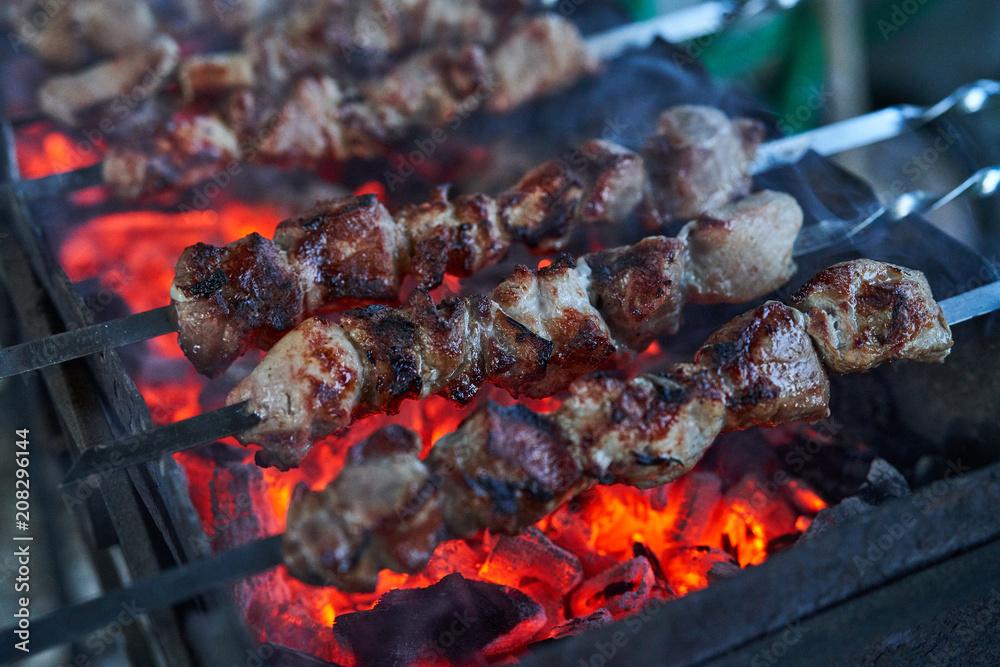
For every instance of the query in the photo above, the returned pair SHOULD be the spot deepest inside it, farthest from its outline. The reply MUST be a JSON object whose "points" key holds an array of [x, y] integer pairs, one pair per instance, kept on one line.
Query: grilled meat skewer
{"points": [[351, 252], [504, 469], [266, 109], [532, 335]]}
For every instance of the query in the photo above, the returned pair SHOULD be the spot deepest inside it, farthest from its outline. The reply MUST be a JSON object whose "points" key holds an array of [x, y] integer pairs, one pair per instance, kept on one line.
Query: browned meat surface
{"points": [[613, 181], [345, 252], [458, 237], [545, 53], [639, 289], [307, 128], [382, 512], [308, 387], [742, 249], [503, 469], [553, 303], [647, 431], [190, 152], [862, 313], [133, 76], [539, 211], [698, 160], [233, 298], [429, 89], [770, 369]]}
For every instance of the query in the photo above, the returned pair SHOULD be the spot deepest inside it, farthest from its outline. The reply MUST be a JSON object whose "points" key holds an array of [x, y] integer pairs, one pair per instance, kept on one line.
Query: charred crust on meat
{"points": [[212, 283]]}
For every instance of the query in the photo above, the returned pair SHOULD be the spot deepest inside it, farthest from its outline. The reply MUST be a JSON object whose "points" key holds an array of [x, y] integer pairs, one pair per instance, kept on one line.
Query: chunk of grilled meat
{"points": [[234, 298], [863, 313], [505, 468], [326, 35], [733, 250], [185, 154], [313, 117], [517, 74], [350, 252], [131, 78], [698, 160], [535, 333]]}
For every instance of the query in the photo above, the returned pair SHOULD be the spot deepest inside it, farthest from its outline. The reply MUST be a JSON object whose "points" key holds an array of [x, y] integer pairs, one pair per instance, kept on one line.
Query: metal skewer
{"points": [[826, 233], [183, 582], [142, 326], [233, 419]]}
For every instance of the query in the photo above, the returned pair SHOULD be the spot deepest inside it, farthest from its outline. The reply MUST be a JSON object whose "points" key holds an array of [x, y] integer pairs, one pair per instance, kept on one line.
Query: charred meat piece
{"points": [[457, 237], [231, 299], [553, 303], [647, 431], [503, 469], [697, 160], [862, 313], [307, 127], [517, 73], [130, 78], [308, 387], [742, 249], [614, 178], [428, 89], [77, 31], [345, 251], [539, 211], [186, 153], [769, 368], [382, 512], [640, 288]]}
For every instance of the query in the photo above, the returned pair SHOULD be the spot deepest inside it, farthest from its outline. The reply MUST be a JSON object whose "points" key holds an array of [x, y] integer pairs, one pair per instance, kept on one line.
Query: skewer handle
{"points": [[84, 341]]}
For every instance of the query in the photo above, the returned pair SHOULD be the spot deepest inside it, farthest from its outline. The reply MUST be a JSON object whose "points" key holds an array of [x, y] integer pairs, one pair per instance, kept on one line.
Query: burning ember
{"points": [[600, 557]]}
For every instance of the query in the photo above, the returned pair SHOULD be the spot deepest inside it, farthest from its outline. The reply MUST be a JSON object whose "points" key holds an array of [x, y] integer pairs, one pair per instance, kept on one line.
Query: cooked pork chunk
{"points": [[698, 160], [770, 369], [382, 512], [742, 249], [862, 313], [74, 32], [229, 299], [130, 78], [518, 71]]}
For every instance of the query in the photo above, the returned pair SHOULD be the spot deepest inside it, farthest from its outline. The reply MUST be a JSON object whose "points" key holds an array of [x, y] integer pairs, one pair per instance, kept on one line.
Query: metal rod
{"points": [[170, 439], [825, 233], [873, 127], [85, 341]]}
